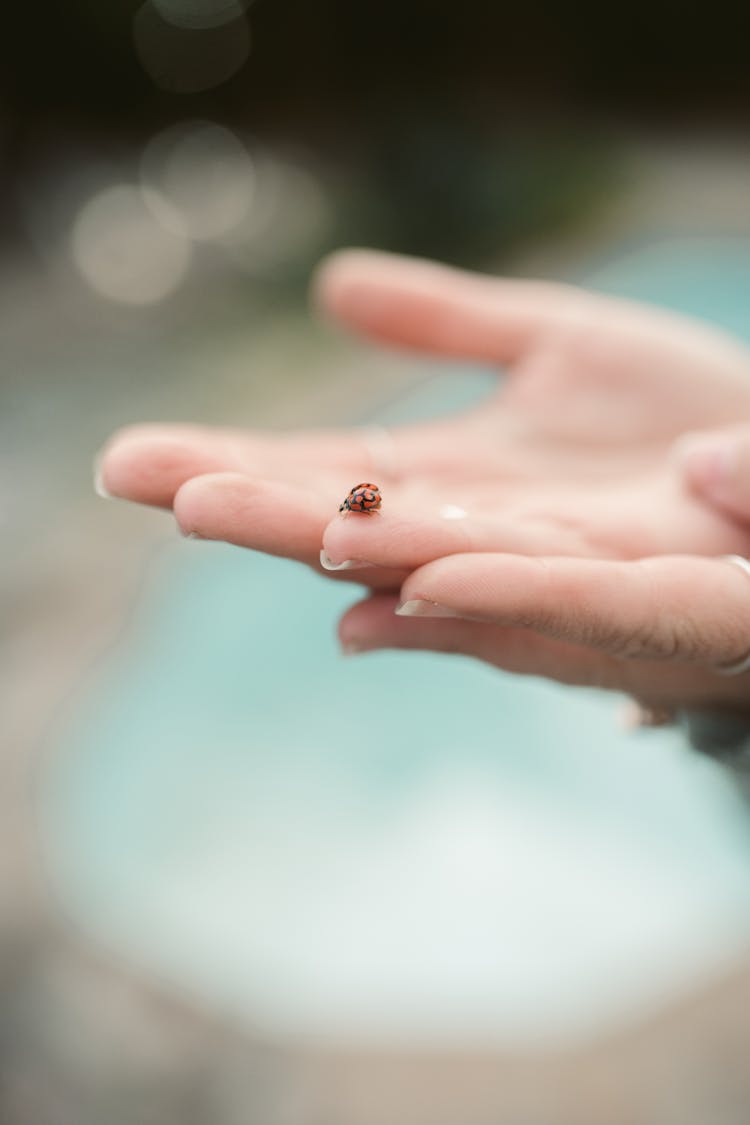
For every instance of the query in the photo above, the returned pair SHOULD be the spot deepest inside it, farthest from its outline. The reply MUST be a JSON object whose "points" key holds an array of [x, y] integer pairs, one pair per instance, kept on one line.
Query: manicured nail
{"points": [[629, 715], [709, 461], [352, 648], [347, 564], [99, 488], [420, 607]]}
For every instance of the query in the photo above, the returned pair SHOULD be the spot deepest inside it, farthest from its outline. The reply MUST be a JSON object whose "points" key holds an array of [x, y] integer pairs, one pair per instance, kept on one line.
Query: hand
{"points": [[567, 458]]}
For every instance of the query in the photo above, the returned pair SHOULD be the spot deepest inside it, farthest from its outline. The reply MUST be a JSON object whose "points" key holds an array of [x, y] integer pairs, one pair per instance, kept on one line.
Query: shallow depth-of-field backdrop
{"points": [[480, 902]]}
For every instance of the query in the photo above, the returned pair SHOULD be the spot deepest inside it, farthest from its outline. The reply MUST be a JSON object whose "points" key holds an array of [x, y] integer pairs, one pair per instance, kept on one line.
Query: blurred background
{"points": [[215, 909]]}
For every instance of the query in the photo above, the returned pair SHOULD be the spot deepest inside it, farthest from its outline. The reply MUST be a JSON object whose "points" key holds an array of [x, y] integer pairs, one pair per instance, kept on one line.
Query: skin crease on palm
{"points": [[569, 460]]}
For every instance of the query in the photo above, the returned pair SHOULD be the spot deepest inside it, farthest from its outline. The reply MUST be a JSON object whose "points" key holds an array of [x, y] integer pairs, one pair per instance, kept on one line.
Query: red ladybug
{"points": [[362, 498]]}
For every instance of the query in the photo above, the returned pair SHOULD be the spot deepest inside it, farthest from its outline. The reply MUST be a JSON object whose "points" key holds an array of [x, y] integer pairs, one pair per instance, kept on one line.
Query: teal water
{"points": [[477, 856]]}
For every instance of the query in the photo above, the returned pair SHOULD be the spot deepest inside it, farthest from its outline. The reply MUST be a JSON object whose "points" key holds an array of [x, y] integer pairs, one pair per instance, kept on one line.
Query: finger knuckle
{"points": [[675, 639], [733, 645]]}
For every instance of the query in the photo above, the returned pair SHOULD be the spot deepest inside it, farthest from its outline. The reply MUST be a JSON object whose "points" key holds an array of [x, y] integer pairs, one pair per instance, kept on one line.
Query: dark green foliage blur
{"points": [[444, 128]]}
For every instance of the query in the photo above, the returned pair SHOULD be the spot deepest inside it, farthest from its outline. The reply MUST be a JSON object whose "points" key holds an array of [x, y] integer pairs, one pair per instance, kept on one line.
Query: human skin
{"points": [[577, 553]]}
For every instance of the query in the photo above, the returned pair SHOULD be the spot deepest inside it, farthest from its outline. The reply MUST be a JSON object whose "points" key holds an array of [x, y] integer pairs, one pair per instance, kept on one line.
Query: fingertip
{"points": [[196, 503], [100, 488], [366, 286], [147, 465], [468, 585], [716, 467], [363, 625], [336, 276], [347, 538], [708, 461], [438, 573], [263, 515], [398, 538], [116, 464]]}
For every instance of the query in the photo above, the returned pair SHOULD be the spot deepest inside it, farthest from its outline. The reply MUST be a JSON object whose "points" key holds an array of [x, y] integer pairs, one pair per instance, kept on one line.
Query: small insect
{"points": [[362, 498]]}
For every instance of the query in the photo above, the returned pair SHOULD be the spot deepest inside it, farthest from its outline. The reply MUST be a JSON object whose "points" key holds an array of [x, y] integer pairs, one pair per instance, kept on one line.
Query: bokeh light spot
{"points": [[186, 60], [206, 175], [122, 250], [289, 217], [198, 14]]}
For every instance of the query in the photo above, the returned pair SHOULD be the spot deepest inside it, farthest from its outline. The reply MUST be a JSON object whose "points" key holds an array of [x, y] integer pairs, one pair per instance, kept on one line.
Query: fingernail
{"points": [[99, 488], [709, 462], [353, 648], [420, 607], [348, 564], [189, 534], [637, 716], [629, 715]]}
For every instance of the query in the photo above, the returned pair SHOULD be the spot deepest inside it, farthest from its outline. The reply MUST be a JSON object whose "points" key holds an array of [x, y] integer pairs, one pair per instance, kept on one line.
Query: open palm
{"points": [[567, 458]]}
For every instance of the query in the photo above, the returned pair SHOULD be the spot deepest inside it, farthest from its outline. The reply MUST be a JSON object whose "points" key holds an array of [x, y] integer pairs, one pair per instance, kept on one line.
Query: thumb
{"points": [[716, 466]]}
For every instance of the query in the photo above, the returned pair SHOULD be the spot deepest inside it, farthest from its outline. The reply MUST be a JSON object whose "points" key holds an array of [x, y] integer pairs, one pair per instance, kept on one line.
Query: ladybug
{"points": [[362, 498]]}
